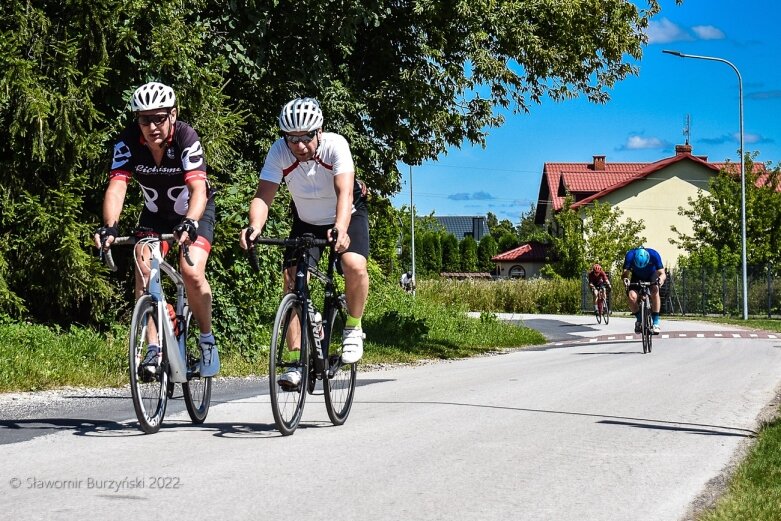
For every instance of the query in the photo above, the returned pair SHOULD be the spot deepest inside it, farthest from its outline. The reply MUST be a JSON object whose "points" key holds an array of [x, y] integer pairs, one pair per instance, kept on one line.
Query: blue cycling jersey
{"points": [[647, 273]]}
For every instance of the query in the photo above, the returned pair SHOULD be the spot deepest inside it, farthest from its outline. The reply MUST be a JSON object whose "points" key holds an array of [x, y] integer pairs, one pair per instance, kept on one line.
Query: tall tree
{"points": [[715, 216], [486, 249], [402, 81], [468, 250]]}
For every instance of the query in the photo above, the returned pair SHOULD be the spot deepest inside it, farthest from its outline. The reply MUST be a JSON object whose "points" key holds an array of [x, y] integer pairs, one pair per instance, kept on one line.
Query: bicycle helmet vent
{"points": [[642, 258], [301, 115], [152, 96]]}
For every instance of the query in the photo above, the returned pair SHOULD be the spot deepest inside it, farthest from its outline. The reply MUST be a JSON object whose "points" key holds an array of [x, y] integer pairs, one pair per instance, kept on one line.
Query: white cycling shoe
{"points": [[352, 345]]}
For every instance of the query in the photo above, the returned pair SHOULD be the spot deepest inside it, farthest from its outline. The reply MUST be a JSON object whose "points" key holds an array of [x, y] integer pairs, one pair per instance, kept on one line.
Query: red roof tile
{"points": [[533, 251]]}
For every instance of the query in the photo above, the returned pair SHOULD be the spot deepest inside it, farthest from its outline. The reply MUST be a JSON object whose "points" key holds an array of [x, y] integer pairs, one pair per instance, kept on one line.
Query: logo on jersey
{"points": [[150, 196], [192, 156], [121, 155], [170, 152]]}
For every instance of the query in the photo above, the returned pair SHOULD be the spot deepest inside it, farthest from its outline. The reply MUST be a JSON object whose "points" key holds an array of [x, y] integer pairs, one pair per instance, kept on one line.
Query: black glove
{"points": [[189, 226], [107, 231]]}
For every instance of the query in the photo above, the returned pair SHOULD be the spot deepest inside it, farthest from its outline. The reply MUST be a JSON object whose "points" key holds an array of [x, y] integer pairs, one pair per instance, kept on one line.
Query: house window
{"points": [[517, 272]]}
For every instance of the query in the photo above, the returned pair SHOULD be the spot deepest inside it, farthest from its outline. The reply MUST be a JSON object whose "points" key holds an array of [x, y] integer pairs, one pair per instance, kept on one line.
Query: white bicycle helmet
{"points": [[301, 115], [152, 96]]}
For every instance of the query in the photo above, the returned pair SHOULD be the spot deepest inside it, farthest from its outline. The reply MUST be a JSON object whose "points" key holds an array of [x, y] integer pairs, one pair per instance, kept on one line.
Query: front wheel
{"points": [[339, 383], [605, 311], [649, 327], [197, 390], [288, 352], [149, 391]]}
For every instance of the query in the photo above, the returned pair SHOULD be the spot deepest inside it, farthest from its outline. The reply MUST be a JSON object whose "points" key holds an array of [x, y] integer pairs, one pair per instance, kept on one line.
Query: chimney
{"points": [[599, 163], [683, 149]]}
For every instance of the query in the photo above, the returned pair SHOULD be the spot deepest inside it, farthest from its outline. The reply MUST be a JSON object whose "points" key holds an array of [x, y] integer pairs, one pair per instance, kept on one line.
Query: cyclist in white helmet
{"points": [[165, 156], [318, 169]]}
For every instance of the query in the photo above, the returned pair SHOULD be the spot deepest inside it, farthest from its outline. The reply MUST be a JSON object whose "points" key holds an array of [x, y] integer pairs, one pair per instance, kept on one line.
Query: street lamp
{"points": [[742, 170]]}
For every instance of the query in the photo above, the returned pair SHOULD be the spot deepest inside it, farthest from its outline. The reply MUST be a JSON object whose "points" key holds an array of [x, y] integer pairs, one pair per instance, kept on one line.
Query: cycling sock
{"points": [[207, 338], [352, 321], [655, 316], [637, 316]]}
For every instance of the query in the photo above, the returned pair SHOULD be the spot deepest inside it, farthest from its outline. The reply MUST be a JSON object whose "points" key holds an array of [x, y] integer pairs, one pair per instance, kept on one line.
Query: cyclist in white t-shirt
{"points": [[318, 169]]}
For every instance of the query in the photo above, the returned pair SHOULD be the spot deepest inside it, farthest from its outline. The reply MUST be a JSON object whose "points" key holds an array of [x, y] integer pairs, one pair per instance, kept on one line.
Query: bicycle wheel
{"points": [[197, 391], [649, 326], [339, 383], [149, 392], [287, 403], [643, 329], [598, 312], [605, 312]]}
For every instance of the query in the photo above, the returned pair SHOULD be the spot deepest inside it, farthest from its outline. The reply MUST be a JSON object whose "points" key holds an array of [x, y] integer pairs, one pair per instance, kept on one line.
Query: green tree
{"points": [[468, 250], [401, 80], [714, 216], [451, 260], [598, 234], [608, 236], [486, 250], [528, 231]]}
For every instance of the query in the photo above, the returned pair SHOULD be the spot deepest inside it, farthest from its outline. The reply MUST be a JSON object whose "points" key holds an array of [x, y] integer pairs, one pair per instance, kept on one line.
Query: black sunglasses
{"points": [[305, 139], [157, 119]]}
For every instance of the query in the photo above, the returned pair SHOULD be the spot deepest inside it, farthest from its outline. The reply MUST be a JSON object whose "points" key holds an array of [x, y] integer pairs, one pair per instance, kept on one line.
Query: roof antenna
{"points": [[687, 130]]}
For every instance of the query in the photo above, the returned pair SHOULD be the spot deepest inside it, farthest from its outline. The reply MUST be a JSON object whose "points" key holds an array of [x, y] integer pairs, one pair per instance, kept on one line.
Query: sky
{"points": [[643, 121]]}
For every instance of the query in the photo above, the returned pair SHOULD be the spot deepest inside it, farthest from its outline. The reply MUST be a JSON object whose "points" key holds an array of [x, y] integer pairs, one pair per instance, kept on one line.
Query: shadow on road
{"points": [[649, 423]]}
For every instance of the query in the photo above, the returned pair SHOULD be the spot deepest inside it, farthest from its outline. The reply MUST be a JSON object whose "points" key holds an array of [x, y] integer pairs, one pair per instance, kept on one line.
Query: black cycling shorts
{"points": [[161, 224], [358, 232]]}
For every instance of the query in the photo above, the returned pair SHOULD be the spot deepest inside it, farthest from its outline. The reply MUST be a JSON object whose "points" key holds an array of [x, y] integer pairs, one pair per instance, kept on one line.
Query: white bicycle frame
{"points": [[176, 357]]}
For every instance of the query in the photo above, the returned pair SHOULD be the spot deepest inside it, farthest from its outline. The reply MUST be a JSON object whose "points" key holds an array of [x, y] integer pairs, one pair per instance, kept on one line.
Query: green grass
{"points": [[754, 492], [399, 329]]}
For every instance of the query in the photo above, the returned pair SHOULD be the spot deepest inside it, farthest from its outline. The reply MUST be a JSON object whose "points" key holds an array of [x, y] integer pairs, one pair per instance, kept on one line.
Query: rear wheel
{"points": [[287, 402], [339, 384], [149, 391], [197, 391]]}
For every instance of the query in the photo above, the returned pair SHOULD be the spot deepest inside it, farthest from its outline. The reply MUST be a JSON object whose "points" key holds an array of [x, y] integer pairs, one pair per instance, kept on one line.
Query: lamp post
{"points": [[742, 171], [412, 220]]}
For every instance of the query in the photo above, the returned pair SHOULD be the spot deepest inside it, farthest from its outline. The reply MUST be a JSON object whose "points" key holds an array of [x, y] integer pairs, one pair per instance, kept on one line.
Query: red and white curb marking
{"points": [[759, 335]]}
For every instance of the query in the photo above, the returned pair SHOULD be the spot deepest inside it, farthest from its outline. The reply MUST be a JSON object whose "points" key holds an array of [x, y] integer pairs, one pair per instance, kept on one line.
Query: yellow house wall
{"points": [[656, 200]]}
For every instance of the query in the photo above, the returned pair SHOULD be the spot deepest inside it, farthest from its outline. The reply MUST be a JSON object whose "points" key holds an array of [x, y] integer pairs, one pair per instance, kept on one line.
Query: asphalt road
{"points": [[583, 428]]}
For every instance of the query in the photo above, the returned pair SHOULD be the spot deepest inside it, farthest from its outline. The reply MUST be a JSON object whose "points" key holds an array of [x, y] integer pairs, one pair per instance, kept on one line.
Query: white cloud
{"points": [[665, 31], [640, 143], [708, 32]]}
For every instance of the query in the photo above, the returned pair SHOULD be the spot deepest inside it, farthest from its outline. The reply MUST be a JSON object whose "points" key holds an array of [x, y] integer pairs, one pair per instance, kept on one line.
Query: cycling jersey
{"points": [[597, 279], [164, 186], [311, 183], [647, 273]]}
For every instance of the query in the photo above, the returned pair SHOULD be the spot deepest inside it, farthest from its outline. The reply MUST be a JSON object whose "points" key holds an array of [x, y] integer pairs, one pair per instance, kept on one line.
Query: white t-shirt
{"points": [[311, 183]]}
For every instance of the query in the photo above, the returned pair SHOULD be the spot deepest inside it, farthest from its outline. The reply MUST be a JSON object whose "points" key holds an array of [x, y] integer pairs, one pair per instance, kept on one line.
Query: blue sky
{"points": [[642, 122]]}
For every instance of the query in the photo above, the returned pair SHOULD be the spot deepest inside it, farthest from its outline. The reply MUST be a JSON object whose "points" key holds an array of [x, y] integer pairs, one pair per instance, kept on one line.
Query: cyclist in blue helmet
{"points": [[644, 264]]}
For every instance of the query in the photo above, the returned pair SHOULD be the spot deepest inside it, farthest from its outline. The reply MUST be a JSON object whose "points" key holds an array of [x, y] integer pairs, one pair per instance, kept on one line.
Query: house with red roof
{"points": [[652, 192], [522, 262]]}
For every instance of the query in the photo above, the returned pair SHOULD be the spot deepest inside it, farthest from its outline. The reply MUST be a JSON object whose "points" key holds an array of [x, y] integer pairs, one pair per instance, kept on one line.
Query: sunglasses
{"points": [[305, 139], [157, 119]]}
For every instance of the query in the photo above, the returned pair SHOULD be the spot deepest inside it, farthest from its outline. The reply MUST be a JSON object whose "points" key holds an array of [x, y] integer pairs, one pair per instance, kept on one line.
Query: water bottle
{"points": [[318, 325], [174, 321]]}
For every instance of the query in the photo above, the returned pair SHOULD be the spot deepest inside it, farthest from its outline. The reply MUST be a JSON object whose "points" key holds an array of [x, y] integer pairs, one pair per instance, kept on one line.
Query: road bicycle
{"points": [[171, 327], [603, 307], [646, 319], [304, 339]]}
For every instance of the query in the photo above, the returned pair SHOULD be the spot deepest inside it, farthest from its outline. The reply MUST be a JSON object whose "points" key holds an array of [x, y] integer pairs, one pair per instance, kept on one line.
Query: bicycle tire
{"points": [[339, 380], [149, 392], [643, 329], [197, 391], [606, 312], [287, 404], [649, 326], [598, 313]]}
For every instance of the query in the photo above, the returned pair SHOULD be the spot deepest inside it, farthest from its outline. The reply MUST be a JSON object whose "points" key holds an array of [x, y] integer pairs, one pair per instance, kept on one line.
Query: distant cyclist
{"points": [[407, 282], [597, 279], [644, 264]]}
